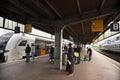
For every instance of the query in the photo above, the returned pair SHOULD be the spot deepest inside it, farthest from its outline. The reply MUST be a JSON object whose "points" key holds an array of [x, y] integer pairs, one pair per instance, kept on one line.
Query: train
{"points": [[12, 45], [110, 44]]}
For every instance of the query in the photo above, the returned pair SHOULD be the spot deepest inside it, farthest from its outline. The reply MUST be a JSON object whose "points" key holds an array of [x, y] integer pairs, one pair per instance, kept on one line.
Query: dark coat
{"points": [[70, 53], [51, 50], [28, 49]]}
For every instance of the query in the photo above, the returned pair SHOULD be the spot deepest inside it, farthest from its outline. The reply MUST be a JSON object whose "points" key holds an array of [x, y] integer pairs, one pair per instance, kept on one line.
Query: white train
{"points": [[12, 45], [110, 44]]}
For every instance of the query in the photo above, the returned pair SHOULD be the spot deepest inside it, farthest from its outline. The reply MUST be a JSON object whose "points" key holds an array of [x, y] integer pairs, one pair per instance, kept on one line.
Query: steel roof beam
{"points": [[74, 19], [79, 10], [83, 28], [90, 16], [112, 18], [101, 5], [54, 9], [42, 7], [21, 6], [117, 16], [69, 32], [72, 31], [43, 22], [78, 5], [44, 28], [11, 10]]}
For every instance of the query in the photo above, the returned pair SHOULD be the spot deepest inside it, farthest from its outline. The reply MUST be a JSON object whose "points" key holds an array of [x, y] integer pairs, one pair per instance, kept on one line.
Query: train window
{"points": [[117, 38], [23, 43]]}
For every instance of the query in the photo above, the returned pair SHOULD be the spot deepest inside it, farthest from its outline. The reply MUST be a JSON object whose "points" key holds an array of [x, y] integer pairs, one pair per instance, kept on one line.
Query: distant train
{"points": [[110, 44]]}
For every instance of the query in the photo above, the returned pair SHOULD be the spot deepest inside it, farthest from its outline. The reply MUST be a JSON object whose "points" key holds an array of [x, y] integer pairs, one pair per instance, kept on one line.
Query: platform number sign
{"points": [[114, 27]]}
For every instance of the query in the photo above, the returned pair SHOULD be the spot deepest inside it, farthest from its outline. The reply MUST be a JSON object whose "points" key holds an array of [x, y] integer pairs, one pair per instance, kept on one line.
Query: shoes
{"points": [[77, 63], [27, 61], [32, 60], [50, 60], [70, 74]]}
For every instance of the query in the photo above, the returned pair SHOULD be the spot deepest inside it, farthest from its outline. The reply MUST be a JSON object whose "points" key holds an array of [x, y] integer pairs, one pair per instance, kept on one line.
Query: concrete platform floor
{"points": [[100, 68]]}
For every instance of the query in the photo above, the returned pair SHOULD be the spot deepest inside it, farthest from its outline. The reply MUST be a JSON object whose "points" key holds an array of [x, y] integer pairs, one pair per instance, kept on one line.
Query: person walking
{"points": [[89, 52], [75, 53], [70, 61], [33, 51], [78, 51], [27, 51], [51, 54]]}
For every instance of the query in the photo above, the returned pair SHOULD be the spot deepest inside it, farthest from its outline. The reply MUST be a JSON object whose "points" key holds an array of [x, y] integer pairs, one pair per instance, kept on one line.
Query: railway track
{"points": [[113, 55]]}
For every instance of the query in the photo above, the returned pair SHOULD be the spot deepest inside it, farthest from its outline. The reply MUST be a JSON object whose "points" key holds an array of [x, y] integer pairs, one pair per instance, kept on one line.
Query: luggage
{"points": [[86, 58]]}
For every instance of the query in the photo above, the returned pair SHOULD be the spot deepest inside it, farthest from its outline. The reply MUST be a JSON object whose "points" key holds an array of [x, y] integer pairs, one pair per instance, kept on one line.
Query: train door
{"points": [[37, 49], [42, 48], [21, 49]]}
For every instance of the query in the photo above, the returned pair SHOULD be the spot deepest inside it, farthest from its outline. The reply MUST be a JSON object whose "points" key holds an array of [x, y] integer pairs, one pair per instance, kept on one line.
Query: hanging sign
{"points": [[97, 26], [114, 27]]}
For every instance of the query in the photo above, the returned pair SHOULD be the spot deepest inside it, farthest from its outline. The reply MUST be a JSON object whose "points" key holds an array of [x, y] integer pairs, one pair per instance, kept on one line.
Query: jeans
{"points": [[27, 57], [33, 56], [90, 57], [78, 60]]}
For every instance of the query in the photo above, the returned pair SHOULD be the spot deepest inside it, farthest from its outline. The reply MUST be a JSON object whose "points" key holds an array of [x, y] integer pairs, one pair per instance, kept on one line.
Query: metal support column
{"points": [[58, 48]]}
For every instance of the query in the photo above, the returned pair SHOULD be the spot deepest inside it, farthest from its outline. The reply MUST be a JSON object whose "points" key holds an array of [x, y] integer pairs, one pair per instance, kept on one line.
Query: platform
{"points": [[99, 68]]}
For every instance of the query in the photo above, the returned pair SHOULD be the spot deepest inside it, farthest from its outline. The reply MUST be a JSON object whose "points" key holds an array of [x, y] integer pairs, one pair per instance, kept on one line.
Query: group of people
{"points": [[73, 55], [77, 50], [29, 49]]}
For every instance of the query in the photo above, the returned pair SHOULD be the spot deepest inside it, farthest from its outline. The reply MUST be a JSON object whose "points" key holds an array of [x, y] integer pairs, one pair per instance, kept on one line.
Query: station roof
{"points": [[75, 15]]}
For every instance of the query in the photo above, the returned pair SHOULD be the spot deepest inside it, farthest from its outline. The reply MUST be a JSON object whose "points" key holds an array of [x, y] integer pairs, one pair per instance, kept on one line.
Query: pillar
{"points": [[58, 48], [3, 22]]}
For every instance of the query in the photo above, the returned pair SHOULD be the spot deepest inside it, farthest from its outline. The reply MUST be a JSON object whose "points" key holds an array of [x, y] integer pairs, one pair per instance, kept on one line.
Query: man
{"points": [[51, 54], [78, 50], [33, 51], [70, 61], [27, 51], [89, 52]]}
